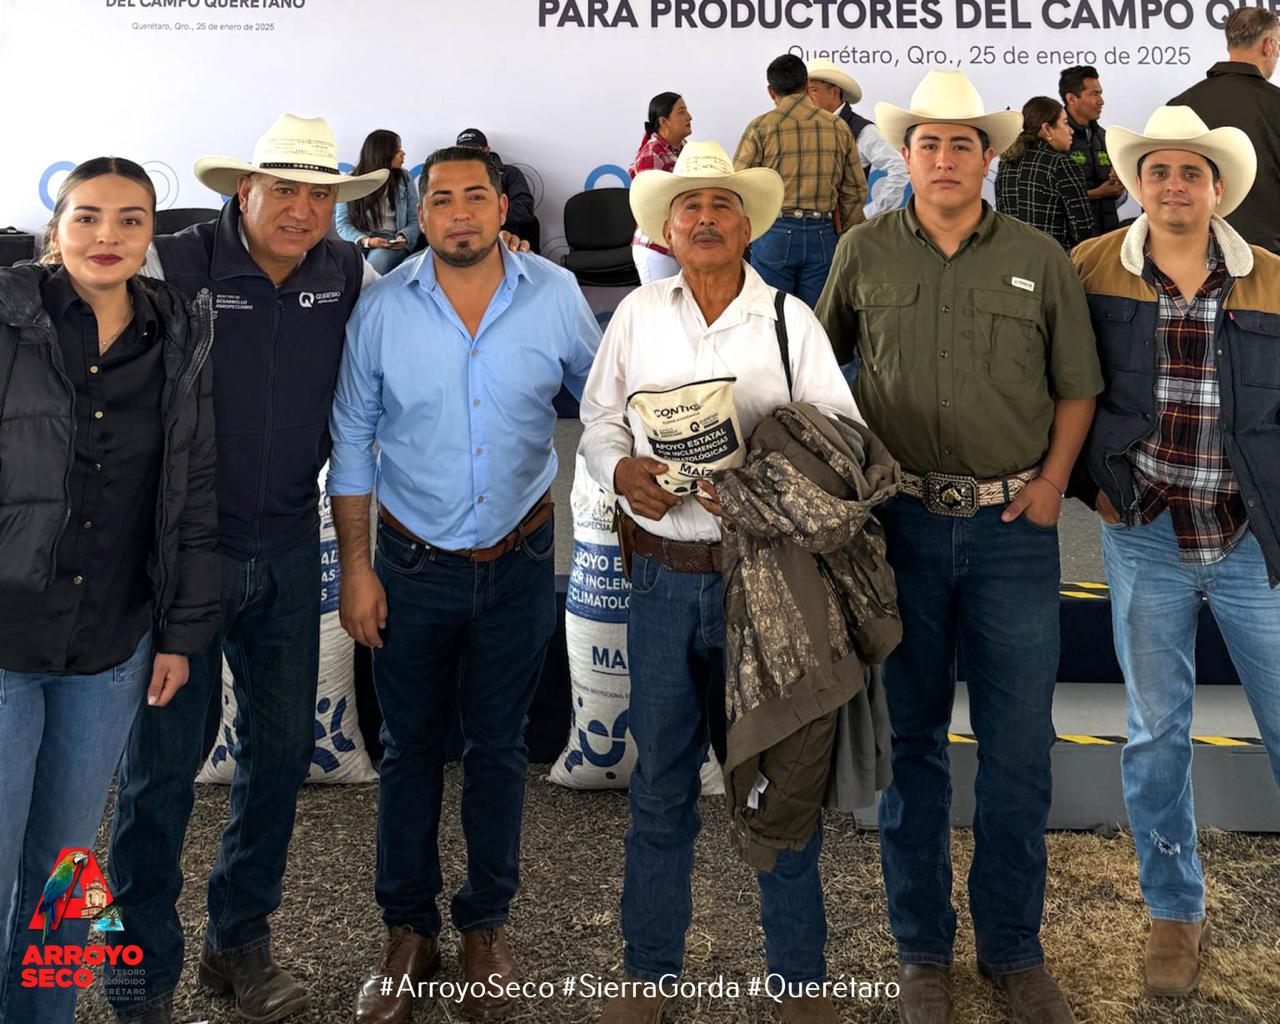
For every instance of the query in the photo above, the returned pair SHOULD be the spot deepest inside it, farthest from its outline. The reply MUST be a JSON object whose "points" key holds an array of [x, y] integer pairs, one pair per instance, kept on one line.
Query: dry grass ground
{"points": [[565, 921]]}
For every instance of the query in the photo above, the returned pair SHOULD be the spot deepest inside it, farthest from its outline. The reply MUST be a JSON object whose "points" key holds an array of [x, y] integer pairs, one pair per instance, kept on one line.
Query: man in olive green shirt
{"points": [[979, 372]]}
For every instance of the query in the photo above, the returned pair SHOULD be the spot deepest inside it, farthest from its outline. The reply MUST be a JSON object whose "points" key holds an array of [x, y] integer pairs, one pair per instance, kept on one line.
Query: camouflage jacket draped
{"points": [[810, 605]]}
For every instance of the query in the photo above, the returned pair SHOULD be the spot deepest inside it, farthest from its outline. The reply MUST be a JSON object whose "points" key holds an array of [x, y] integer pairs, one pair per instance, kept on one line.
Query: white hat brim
{"points": [[223, 174], [851, 89], [1229, 148], [1001, 127], [653, 192]]}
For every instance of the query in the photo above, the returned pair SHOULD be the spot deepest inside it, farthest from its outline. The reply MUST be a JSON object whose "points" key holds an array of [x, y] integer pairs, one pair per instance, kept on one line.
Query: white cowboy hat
{"points": [[297, 149], [1181, 128], [948, 97], [825, 71], [706, 165]]}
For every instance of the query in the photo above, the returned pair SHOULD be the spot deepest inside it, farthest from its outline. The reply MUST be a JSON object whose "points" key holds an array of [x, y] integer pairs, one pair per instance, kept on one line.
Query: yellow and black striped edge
{"points": [[1108, 741], [1084, 591]]}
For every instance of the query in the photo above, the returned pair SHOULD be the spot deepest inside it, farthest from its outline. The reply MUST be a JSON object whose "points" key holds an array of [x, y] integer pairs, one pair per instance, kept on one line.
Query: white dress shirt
{"points": [[659, 338], [880, 156]]}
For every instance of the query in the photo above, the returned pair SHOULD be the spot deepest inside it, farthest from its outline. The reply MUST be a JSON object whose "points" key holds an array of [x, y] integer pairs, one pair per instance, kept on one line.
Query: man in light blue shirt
{"points": [[451, 366]]}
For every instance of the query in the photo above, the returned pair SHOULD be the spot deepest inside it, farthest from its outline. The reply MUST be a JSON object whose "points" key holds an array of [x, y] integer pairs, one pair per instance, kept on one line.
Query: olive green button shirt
{"points": [[962, 356]]}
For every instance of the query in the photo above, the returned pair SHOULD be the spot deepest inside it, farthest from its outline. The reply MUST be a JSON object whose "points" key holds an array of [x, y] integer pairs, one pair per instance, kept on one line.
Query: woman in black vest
{"points": [[108, 578]]}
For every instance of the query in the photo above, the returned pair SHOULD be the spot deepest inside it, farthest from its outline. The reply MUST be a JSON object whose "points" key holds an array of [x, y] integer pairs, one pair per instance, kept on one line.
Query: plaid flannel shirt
{"points": [[1044, 188], [1182, 466], [655, 154], [814, 152]]}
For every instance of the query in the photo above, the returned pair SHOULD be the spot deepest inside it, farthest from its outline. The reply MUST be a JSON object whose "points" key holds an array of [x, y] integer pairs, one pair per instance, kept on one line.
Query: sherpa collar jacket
{"points": [[810, 604]]}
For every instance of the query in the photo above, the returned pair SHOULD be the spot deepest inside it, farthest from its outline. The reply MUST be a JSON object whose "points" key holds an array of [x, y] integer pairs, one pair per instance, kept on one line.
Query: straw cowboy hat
{"points": [[1181, 128], [706, 165], [948, 97], [825, 71], [297, 149]]}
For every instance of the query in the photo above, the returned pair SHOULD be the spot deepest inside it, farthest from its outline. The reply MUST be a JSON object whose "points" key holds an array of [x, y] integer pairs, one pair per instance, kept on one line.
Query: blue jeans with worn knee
{"points": [[1155, 605], [60, 737], [270, 634], [675, 646], [795, 254], [990, 589]]}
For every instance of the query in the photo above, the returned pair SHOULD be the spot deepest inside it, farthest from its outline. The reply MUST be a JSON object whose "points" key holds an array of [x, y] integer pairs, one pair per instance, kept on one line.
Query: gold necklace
{"points": [[106, 343]]}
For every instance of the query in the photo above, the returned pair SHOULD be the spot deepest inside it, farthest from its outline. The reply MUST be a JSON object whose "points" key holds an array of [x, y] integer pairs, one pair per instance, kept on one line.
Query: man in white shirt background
{"points": [[836, 92], [715, 319]]}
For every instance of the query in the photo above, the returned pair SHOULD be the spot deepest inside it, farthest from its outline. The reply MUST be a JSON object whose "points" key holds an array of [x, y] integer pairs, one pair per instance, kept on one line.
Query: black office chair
{"points": [[170, 222], [598, 227]]}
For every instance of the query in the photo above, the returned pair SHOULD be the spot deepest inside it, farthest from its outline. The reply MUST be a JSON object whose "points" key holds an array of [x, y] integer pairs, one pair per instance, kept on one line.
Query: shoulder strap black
{"points": [[784, 346]]}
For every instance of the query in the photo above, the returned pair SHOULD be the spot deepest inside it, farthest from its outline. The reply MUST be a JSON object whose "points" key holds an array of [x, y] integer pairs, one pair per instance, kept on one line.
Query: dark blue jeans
{"points": [[795, 255], [463, 639], [270, 635], [987, 590], [675, 645]]}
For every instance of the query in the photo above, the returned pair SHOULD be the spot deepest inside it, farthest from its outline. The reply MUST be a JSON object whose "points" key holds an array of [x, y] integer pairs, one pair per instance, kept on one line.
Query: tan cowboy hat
{"points": [[297, 149], [948, 97], [706, 165], [825, 71], [1181, 128]]}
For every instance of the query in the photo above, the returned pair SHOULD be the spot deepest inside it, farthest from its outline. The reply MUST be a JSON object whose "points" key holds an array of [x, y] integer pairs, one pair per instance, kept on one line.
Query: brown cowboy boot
{"points": [[407, 956], [1173, 956], [485, 953], [636, 1009], [1034, 997], [924, 994], [264, 991], [807, 1010]]}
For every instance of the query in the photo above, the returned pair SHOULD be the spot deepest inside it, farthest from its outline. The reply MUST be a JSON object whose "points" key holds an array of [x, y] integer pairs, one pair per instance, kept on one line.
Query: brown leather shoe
{"points": [[1173, 956], [807, 1010], [924, 994], [487, 964], [264, 991], [407, 955], [633, 1010], [1034, 997]]}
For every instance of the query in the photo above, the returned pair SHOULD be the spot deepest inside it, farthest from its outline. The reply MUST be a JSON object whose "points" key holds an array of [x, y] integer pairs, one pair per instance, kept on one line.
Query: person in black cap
{"points": [[520, 221]]}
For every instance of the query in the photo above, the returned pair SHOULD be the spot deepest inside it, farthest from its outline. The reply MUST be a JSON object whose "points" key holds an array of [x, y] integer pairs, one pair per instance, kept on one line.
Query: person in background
{"points": [[1038, 183], [818, 161], [668, 126], [384, 223], [521, 220], [1081, 94], [836, 92], [1238, 93], [108, 576]]}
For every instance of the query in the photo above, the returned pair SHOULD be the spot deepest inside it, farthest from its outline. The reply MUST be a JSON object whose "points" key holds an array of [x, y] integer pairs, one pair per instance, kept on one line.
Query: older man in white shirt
{"points": [[715, 320]]}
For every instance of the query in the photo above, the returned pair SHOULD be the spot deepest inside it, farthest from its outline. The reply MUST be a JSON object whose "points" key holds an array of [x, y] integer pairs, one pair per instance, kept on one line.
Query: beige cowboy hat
{"points": [[706, 165], [297, 149], [1181, 128], [948, 97], [825, 71]]}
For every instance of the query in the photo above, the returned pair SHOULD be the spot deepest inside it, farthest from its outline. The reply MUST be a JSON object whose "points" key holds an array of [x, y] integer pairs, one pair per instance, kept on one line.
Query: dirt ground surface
{"points": [[565, 920]]}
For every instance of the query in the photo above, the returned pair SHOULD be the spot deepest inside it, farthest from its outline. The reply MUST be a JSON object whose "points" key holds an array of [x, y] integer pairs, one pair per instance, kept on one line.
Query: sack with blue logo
{"points": [[600, 753], [339, 754]]}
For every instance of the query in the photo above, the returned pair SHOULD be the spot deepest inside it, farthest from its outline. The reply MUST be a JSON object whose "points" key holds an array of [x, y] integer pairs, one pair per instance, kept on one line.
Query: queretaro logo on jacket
{"points": [[308, 299]]}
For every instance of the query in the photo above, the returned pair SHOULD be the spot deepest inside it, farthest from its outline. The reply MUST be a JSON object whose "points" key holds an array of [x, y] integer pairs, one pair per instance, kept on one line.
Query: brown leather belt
{"points": [[677, 555], [535, 517], [805, 214]]}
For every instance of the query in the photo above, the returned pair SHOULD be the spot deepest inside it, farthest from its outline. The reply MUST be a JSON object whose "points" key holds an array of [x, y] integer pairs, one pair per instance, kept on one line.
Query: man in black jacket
{"points": [[1081, 93], [1237, 94], [281, 292], [521, 220]]}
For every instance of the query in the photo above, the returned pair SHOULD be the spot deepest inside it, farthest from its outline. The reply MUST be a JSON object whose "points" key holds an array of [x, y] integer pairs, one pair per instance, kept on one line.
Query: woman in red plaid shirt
{"points": [[668, 126]]}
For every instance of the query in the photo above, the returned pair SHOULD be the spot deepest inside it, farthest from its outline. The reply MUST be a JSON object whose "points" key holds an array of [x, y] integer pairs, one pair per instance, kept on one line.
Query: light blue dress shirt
{"points": [[464, 426]]}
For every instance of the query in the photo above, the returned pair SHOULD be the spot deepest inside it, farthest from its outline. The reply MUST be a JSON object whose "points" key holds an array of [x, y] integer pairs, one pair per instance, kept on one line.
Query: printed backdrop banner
{"points": [[561, 87]]}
